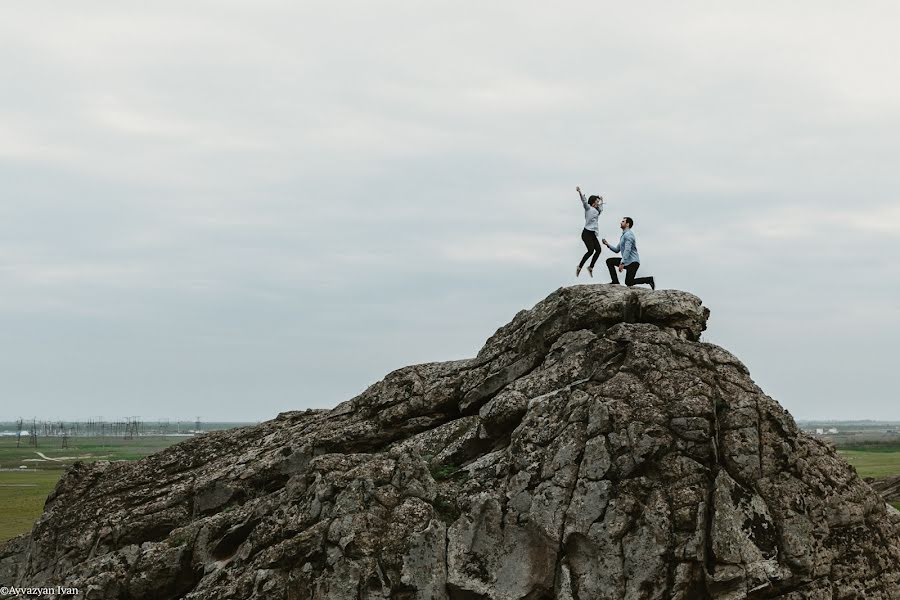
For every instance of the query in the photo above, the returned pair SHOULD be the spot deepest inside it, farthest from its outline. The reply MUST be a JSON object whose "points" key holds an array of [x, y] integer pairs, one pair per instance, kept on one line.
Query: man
{"points": [[630, 261]]}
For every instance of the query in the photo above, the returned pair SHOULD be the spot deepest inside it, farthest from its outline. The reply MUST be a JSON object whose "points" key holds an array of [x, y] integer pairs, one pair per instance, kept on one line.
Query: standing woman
{"points": [[593, 206]]}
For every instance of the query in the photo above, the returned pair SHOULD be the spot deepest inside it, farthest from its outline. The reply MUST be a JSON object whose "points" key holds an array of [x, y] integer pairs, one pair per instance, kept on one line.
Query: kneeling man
{"points": [[630, 261]]}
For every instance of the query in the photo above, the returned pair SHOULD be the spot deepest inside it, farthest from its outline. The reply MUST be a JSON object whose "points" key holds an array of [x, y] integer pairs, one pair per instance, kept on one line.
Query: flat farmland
{"points": [[877, 461], [22, 497], [28, 474]]}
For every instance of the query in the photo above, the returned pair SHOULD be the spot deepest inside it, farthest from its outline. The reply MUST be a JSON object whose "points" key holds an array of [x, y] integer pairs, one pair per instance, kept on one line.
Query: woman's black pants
{"points": [[593, 247]]}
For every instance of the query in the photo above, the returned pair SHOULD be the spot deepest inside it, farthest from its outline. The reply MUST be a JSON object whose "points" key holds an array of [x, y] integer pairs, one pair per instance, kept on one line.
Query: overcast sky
{"points": [[232, 209]]}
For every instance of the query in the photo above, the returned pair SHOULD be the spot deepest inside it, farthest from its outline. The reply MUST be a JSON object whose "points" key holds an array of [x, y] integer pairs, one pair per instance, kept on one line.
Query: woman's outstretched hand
{"points": [[578, 189]]}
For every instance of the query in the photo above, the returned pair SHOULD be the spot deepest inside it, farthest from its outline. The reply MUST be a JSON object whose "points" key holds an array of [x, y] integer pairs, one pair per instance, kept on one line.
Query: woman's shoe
{"points": [[591, 271], [577, 271]]}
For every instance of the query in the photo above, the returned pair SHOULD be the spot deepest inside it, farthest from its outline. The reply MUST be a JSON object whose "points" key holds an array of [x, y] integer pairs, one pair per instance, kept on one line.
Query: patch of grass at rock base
{"points": [[446, 509], [441, 472]]}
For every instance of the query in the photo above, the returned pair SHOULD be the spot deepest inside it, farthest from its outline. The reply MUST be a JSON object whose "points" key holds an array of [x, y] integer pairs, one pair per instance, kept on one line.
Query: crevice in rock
{"points": [[272, 484], [717, 442], [631, 309], [155, 533], [447, 556], [578, 545], [494, 383], [374, 443], [192, 488], [759, 436], [187, 577], [570, 494], [231, 541], [457, 593], [611, 366]]}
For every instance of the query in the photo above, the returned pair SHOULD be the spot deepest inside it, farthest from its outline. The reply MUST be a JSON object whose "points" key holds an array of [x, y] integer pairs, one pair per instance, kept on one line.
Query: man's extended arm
{"points": [[610, 246]]}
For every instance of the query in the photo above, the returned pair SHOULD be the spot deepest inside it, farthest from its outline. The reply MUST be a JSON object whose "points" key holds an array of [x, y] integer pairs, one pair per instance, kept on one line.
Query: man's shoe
{"points": [[652, 284], [577, 271], [591, 271]]}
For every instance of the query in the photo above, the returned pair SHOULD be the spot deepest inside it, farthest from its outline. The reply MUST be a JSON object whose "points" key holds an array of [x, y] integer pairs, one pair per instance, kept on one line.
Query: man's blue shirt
{"points": [[628, 247]]}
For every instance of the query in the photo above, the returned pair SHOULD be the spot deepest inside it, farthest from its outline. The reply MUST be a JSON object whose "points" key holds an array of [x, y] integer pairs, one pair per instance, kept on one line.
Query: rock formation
{"points": [[593, 449], [888, 487]]}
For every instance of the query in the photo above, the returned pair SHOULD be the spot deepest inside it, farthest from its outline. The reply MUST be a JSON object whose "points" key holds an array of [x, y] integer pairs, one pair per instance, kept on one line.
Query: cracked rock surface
{"points": [[593, 449], [888, 487]]}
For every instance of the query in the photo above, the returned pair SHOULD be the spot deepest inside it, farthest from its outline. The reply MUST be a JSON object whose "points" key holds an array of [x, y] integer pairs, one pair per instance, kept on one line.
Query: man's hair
{"points": [[630, 221]]}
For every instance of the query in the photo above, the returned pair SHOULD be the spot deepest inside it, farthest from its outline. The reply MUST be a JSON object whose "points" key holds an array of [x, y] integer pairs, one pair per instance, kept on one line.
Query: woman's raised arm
{"points": [[581, 195]]}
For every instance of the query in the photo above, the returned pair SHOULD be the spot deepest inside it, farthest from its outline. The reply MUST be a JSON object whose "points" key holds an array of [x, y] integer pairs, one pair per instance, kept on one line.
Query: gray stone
{"points": [[594, 449]]}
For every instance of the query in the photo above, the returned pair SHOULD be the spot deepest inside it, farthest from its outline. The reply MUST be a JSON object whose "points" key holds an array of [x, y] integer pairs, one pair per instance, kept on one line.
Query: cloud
{"points": [[799, 224], [505, 248], [267, 194]]}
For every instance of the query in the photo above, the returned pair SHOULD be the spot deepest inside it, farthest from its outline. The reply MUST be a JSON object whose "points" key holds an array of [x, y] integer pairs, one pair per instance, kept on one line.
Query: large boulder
{"points": [[594, 449]]}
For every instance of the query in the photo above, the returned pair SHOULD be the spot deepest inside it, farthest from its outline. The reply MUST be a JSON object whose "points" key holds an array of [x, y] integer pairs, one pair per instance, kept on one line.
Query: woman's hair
{"points": [[593, 199]]}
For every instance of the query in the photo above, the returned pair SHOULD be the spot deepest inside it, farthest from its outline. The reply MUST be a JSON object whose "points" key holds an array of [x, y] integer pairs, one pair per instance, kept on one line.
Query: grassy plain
{"points": [[23, 491], [22, 497], [874, 461]]}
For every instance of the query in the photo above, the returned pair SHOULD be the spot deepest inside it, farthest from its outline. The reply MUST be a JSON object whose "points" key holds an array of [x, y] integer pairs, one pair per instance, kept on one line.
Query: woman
{"points": [[593, 206]]}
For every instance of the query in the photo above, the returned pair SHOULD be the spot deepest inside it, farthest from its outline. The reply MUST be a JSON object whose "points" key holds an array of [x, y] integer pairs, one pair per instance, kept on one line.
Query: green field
{"points": [[87, 449], [22, 498], [23, 491], [875, 461]]}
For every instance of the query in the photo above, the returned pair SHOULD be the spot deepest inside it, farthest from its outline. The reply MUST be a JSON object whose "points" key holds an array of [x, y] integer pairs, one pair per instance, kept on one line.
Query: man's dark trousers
{"points": [[630, 271]]}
